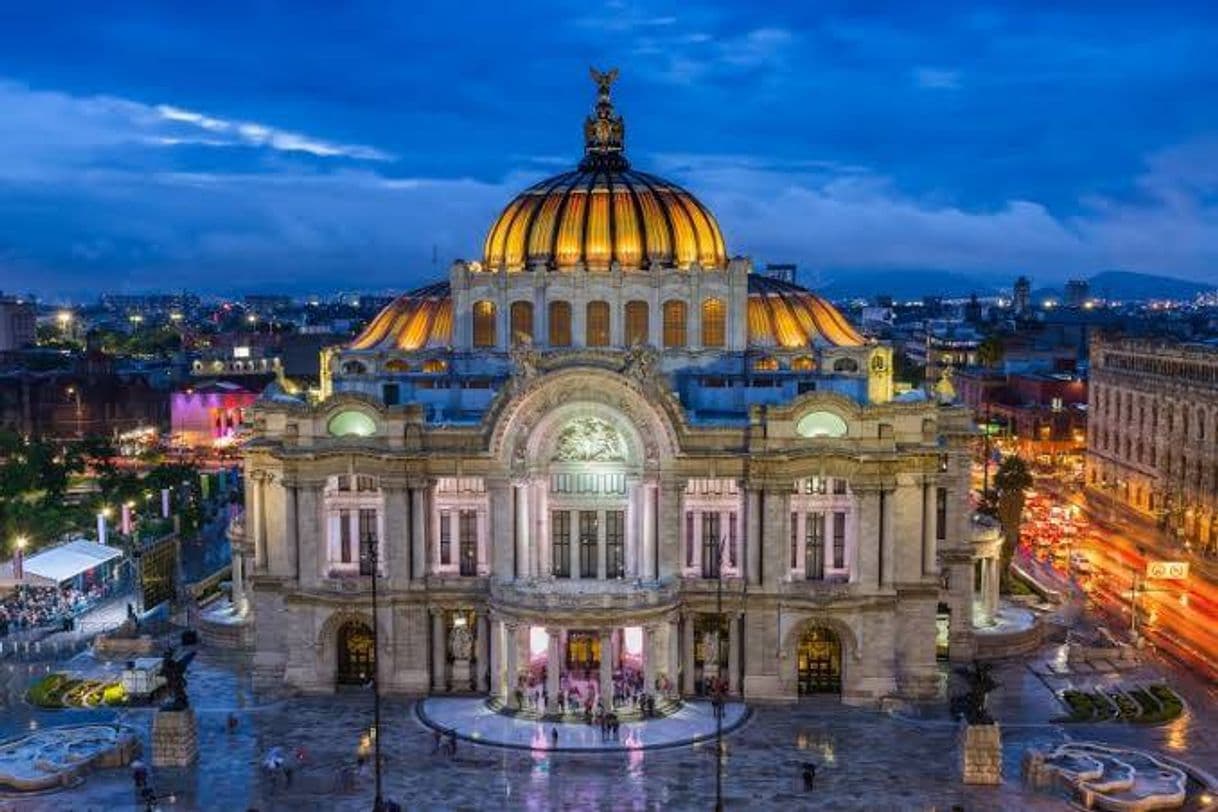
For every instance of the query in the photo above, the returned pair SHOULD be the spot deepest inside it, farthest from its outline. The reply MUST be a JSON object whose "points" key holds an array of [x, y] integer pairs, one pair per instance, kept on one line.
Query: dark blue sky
{"points": [[296, 147]]}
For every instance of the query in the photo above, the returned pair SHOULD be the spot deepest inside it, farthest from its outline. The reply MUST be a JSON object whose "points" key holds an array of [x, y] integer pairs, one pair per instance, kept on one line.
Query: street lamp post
{"points": [[378, 801], [719, 693]]}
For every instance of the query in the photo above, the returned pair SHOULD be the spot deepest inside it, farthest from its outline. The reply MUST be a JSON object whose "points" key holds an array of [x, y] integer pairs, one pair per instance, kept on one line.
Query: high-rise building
{"points": [[1021, 301], [1077, 292], [18, 323], [555, 456]]}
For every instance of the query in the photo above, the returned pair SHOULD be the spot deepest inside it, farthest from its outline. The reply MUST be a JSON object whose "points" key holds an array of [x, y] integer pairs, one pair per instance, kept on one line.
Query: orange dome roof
{"points": [[780, 315], [599, 217], [604, 212]]}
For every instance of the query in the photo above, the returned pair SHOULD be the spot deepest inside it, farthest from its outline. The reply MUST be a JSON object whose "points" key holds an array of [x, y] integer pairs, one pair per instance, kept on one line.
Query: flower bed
{"points": [[1146, 706], [60, 690]]}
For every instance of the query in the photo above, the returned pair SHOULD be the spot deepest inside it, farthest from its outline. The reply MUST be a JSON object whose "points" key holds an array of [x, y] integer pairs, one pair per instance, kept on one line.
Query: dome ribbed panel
{"points": [[602, 216]]}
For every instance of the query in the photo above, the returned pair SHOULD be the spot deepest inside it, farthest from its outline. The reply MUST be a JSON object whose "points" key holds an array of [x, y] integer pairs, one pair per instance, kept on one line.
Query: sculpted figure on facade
{"points": [[461, 643]]}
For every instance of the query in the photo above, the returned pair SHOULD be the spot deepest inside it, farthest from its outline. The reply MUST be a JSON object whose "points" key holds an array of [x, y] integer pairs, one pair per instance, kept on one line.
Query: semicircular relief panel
{"points": [[351, 423], [821, 424], [589, 439]]}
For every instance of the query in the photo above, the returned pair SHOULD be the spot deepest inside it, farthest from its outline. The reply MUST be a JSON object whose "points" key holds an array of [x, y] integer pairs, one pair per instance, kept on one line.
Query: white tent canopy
{"points": [[66, 561]]}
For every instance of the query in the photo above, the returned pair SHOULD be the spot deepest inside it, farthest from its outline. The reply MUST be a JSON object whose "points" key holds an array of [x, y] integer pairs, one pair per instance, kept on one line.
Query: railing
{"points": [[575, 594]]}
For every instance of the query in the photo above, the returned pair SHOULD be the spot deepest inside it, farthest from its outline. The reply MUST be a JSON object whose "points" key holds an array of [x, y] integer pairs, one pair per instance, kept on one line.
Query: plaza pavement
{"points": [[866, 760]]}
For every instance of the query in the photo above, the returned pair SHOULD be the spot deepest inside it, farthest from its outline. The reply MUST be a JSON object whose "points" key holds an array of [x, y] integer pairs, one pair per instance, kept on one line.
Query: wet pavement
{"points": [[866, 760]]}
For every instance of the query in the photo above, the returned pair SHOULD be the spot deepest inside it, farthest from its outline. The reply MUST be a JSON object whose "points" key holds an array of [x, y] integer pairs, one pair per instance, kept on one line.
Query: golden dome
{"points": [[781, 315], [603, 213], [414, 321], [784, 315]]}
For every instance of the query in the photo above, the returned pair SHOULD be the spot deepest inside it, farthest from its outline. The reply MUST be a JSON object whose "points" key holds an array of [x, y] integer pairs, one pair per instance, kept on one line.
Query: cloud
{"points": [[936, 79], [49, 133], [261, 135]]}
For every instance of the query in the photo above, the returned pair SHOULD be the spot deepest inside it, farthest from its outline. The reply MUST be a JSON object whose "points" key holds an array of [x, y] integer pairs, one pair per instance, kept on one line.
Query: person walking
{"points": [[809, 773], [554, 738]]}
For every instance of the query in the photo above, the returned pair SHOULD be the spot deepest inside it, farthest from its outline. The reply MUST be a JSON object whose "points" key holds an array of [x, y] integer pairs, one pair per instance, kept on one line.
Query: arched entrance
{"points": [[356, 654], [819, 662]]}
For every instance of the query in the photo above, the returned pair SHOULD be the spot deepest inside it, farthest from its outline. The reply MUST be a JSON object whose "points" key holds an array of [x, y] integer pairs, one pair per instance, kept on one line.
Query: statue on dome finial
{"points": [[604, 131]]}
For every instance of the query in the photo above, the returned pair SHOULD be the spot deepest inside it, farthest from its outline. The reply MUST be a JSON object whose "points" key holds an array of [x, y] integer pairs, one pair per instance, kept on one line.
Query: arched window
{"points": [[803, 364], [845, 365], [484, 324], [766, 364], [353, 368], [714, 323], [636, 323], [674, 323], [597, 333], [560, 324], [522, 322]]}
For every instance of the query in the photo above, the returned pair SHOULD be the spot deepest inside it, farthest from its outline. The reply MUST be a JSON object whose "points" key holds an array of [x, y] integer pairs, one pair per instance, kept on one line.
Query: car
{"points": [[1080, 563]]}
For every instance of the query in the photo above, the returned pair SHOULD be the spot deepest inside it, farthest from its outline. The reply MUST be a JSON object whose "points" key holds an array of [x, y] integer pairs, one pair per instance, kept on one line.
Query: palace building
{"points": [[609, 451], [1152, 433]]}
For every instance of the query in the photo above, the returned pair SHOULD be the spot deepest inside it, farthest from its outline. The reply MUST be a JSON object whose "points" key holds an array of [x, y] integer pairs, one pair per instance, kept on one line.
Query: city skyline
{"points": [[154, 149]]}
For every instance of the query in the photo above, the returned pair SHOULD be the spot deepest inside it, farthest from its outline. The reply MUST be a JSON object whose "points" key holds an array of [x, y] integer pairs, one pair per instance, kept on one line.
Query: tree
{"points": [[1011, 483], [990, 351]]}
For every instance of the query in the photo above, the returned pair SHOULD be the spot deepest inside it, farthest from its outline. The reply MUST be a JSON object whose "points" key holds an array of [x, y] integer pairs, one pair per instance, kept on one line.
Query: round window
{"points": [[351, 423], [821, 424]]}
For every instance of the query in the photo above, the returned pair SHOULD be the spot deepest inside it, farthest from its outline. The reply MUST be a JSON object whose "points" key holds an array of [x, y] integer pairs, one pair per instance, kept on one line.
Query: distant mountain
{"points": [[903, 284], [913, 284], [1132, 286]]}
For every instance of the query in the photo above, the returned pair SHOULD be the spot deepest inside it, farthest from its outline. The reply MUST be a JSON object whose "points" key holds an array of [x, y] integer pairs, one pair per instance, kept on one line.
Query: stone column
{"points": [[240, 603], [649, 659], [751, 558], [671, 516], [606, 669], [512, 652], [687, 655], [483, 679], [696, 566], [930, 527], [439, 652], [888, 534], [633, 535], [733, 653], [496, 657], [674, 655], [995, 584], [647, 568], [868, 538], [524, 541], [501, 527], [418, 532], [553, 665], [287, 554]]}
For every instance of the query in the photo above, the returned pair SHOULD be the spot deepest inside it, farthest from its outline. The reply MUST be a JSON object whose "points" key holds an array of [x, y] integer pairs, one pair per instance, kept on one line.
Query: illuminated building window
{"points": [[714, 323], [597, 334], [636, 323], [803, 364], [674, 323], [435, 366], [560, 324], [522, 322], [766, 365], [484, 324]]}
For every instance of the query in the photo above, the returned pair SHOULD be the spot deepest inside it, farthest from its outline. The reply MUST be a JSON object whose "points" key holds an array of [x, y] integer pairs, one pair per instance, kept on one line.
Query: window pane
{"points": [[615, 546], [714, 323], [587, 543], [710, 545], [839, 540], [484, 324], [560, 324], [344, 536], [367, 540], [446, 538], [814, 561], [598, 324], [636, 323], [560, 543], [468, 530], [522, 322], [674, 323]]}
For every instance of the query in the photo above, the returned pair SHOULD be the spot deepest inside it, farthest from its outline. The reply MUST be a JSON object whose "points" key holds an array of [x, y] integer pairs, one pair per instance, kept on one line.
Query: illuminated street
{"points": [[1177, 617]]}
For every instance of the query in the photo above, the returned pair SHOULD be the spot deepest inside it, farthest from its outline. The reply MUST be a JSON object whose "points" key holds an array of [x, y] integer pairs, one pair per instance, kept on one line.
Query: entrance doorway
{"points": [[820, 662], [583, 651], [943, 628], [356, 654]]}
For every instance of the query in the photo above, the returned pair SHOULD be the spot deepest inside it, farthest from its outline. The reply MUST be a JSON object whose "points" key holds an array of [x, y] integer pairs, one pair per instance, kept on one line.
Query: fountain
{"points": [[57, 757]]}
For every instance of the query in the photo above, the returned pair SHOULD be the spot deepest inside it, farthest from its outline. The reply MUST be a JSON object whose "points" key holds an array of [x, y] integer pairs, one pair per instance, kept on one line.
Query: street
{"points": [[1107, 564]]}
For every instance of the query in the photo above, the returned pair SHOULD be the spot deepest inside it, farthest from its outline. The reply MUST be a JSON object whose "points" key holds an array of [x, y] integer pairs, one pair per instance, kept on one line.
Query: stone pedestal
{"points": [[175, 738], [463, 675], [981, 754]]}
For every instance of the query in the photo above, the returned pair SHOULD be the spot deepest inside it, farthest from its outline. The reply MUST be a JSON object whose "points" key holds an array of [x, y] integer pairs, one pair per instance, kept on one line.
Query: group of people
{"points": [[445, 743], [580, 694], [32, 607]]}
